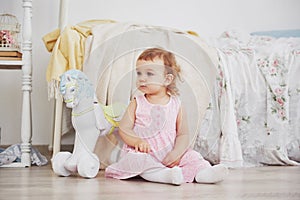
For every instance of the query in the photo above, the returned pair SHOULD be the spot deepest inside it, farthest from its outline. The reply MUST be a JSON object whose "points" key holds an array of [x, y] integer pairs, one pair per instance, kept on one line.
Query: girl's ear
{"points": [[168, 79]]}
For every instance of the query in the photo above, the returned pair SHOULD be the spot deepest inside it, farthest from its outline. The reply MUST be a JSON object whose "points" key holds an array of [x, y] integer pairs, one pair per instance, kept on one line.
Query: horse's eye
{"points": [[72, 90]]}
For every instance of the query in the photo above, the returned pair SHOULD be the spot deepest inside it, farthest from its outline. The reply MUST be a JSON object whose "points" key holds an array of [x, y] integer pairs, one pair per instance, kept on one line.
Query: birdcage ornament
{"points": [[9, 33]]}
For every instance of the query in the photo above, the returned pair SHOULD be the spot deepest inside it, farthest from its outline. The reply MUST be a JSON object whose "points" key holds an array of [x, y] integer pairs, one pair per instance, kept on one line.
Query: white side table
{"points": [[26, 66]]}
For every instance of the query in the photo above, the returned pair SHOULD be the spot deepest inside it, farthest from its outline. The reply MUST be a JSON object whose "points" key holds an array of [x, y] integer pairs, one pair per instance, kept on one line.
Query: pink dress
{"points": [[157, 125]]}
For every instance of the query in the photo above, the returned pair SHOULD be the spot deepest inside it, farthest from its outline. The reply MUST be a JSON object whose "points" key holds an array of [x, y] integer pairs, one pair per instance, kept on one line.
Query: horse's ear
{"points": [[80, 76], [68, 77]]}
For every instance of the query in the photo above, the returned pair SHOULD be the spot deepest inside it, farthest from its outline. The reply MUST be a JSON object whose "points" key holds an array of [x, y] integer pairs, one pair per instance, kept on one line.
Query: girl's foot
{"points": [[177, 176], [213, 174]]}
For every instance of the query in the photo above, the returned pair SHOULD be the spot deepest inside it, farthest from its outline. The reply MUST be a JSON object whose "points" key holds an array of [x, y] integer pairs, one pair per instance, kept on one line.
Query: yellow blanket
{"points": [[67, 49]]}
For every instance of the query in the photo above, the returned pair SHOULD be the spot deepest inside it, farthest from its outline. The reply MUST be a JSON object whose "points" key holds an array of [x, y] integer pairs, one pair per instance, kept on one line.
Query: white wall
{"points": [[209, 18]]}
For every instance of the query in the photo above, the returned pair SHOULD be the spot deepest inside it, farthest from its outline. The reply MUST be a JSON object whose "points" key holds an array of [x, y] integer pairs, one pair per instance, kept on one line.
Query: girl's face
{"points": [[150, 76]]}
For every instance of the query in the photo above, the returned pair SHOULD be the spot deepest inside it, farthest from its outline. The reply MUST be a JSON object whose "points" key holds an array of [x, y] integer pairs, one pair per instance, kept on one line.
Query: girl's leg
{"points": [[213, 174], [164, 175], [195, 167]]}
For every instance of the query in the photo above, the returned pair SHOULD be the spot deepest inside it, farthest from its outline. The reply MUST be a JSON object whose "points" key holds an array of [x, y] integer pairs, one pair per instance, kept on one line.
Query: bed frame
{"points": [[58, 107]]}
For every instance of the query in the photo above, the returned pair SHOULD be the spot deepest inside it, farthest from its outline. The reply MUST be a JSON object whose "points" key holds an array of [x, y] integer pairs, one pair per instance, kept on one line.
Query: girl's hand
{"points": [[172, 159], [142, 146]]}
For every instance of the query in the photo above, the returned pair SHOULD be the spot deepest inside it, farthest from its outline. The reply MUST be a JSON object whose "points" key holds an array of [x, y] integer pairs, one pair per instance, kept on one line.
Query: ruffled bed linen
{"points": [[256, 104]]}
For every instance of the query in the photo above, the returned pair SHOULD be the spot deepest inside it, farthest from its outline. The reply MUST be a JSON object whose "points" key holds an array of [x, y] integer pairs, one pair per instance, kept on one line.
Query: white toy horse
{"points": [[89, 122]]}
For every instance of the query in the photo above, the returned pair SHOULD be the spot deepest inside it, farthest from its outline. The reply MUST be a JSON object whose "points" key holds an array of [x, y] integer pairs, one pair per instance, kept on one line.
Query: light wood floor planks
{"points": [[40, 183]]}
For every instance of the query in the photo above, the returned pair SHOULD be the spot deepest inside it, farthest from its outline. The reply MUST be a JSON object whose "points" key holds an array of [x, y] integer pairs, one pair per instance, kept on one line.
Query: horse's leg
{"points": [[101, 122], [58, 162], [88, 165], [83, 159]]}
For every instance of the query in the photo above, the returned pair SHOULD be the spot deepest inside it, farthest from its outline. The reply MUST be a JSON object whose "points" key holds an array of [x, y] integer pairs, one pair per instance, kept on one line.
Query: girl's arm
{"points": [[182, 141], [126, 130]]}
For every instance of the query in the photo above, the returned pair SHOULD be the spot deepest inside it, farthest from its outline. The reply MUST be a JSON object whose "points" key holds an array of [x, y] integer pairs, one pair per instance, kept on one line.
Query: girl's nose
{"points": [[142, 78]]}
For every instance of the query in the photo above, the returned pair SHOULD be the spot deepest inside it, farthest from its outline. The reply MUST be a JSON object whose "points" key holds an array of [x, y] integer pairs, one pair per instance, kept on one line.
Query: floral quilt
{"points": [[254, 115]]}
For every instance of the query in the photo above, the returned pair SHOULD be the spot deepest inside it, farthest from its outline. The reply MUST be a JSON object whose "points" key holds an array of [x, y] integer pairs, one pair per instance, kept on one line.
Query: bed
{"points": [[240, 90], [256, 101]]}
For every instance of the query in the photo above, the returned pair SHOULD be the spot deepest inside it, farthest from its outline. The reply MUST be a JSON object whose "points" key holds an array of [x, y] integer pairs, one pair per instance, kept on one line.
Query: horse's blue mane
{"points": [[77, 77]]}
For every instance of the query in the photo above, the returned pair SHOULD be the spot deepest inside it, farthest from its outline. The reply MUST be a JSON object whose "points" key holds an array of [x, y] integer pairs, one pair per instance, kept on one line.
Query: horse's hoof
{"points": [[88, 166], [58, 162]]}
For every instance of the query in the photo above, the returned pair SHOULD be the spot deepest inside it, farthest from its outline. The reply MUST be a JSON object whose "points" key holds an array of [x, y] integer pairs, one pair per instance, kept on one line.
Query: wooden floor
{"points": [[40, 183]]}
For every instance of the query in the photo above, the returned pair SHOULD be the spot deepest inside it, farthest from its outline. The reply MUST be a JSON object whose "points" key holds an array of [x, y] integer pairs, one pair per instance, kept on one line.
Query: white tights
{"points": [[174, 175], [164, 175]]}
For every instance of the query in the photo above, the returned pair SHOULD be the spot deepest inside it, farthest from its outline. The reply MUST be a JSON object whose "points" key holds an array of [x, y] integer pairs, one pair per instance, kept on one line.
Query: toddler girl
{"points": [[155, 132]]}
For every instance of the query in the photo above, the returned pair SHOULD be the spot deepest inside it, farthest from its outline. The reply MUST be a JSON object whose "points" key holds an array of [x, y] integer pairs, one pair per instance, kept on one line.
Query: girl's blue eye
{"points": [[138, 73], [150, 74]]}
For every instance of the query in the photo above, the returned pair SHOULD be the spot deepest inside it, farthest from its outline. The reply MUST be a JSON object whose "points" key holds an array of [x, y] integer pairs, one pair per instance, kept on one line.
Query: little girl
{"points": [[155, 132]]}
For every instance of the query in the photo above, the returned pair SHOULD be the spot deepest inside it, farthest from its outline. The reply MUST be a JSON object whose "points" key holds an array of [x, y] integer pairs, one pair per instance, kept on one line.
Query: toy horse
{"points": [[89, 122]]}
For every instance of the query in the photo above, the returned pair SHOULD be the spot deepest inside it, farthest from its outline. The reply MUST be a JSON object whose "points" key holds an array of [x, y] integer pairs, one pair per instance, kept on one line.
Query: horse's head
{"points": [[74, 85]]}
